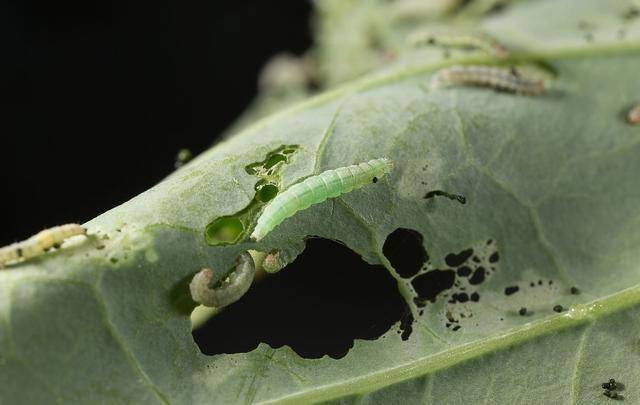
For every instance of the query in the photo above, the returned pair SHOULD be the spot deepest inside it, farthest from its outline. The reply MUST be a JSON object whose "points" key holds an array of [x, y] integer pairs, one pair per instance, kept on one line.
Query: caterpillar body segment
{"points": [[230, 290], [458, 39], [505, 79], [316, 189], [39, 243]]}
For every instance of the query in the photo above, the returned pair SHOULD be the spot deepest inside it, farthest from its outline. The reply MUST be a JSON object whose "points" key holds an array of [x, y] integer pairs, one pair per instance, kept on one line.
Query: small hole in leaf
{"points": [[432, 283], [405, 251], [267, 192], [224, 231], [317, 305]]}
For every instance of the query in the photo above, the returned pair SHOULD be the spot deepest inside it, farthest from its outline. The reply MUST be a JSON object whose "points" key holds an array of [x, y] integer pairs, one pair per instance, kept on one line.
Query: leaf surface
{"points": [[551, 186]]}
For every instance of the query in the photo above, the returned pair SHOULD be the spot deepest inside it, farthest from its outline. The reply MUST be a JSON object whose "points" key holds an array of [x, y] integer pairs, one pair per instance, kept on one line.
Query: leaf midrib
{"points": [[577, 315]]}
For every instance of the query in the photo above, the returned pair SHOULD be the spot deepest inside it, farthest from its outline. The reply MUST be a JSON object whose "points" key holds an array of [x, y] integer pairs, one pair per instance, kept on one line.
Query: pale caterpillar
{"points": [[316, 189], [457, 39], [633, 117], [229, 290], [39, 243], [489, 76]]}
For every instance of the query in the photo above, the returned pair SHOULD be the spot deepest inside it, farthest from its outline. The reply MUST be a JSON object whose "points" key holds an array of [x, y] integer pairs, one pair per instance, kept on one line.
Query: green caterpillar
{"points": [[316, 189]]}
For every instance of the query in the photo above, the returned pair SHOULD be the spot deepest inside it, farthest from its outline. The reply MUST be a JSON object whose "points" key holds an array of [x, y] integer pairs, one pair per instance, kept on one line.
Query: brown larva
{"points": [[39, 243], [230, 290], [499, 78]]}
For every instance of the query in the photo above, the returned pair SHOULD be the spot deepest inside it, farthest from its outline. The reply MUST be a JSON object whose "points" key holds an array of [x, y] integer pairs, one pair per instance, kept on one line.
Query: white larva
{"points": [[498, 78], [633, 116], [230, 290], [316, 189], [39, 243], [458, 39]]}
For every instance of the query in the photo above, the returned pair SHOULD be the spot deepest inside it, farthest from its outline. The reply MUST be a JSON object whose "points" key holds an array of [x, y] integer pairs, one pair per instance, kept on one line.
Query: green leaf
{"points": [[551, 180]]}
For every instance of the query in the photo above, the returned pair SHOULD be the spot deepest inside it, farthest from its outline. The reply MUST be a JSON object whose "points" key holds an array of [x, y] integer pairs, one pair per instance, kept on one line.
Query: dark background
{"points": [[98, 96], [97, 99]]}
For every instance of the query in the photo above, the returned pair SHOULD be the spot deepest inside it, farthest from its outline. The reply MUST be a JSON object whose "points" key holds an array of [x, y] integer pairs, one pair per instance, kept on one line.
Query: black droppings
{"points": [[375, 180], [612, 395], [475, 297], [455, 260], [478, 276], [432, 283], [511, 290], [464, 271], [364, 304], [550, 282], [494, 257], [405, 251], [558, 308], [539, 282], [610, 385], [449, 316], [532, 284], [455, 328], [522, 311], [575, 290], [457, 197]]}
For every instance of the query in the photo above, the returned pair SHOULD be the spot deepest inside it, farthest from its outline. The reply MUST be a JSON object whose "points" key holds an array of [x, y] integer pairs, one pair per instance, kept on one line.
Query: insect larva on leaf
{"points": [[229, 290], [316, 189], [39, 243], [633, 116], [273, 262], [458, 39], [504, 79]]}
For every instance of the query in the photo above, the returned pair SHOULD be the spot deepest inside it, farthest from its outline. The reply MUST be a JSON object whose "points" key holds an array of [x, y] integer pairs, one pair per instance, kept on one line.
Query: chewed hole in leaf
{"points": [[405, 251], [224, 230], [267, 192], [432, 283], [317, 305]]}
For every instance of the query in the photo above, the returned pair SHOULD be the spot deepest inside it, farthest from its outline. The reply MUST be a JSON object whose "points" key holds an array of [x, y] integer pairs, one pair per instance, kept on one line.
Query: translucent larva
{"points": [[510, 80], [230, 290], [458, 39], [317, 189], [633, 116], [39, 243]]}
